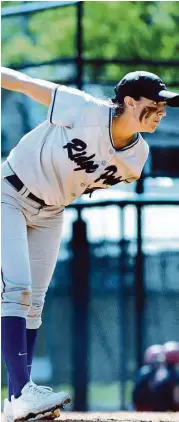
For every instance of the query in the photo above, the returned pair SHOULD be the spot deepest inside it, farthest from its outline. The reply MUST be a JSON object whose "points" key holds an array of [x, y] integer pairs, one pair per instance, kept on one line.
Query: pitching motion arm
{"points": [[37, 89]]}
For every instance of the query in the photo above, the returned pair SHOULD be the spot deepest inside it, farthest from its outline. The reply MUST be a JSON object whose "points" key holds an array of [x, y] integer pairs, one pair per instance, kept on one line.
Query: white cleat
{"points": [[47, 416], [9, 417], [7, 411], [37, 402]]}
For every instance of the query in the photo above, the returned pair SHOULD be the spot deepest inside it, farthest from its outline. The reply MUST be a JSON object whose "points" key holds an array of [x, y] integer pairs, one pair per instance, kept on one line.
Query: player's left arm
{"points": [[38, 89]]}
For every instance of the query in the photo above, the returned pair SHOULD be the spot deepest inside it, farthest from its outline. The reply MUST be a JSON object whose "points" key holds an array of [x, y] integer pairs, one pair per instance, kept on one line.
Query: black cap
{"points": [[145, 84]]}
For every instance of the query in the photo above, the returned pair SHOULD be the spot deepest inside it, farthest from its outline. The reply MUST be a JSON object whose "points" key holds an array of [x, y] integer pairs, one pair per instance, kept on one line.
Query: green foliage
{"points": [[132, 29], [10, 3], [42, 36]]}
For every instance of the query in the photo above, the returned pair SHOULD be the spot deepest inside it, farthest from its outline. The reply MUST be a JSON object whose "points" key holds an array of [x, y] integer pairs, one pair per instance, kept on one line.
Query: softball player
{"points": [[142, 395], [85, 144]]}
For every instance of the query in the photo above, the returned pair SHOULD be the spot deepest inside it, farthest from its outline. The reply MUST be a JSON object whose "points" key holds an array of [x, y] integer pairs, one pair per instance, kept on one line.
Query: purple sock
{"points": [[31, 341], [10, 387], [31, 336], [14, 351]]}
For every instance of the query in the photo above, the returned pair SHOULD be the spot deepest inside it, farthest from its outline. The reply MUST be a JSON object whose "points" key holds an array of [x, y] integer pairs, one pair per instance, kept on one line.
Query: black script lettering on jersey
{"points": [[83, 162], [109, 176]]}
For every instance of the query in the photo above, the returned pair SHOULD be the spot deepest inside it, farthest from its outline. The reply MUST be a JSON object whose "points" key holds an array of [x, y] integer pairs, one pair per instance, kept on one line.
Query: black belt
{"points": [[18, 185]]}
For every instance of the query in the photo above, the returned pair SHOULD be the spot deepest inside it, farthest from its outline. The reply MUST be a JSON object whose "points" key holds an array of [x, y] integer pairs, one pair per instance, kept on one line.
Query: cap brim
{"points": [[172, 98]]}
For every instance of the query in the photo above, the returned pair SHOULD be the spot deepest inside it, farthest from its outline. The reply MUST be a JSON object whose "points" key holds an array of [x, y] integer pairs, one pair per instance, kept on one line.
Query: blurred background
{"points": [[115, 289]]}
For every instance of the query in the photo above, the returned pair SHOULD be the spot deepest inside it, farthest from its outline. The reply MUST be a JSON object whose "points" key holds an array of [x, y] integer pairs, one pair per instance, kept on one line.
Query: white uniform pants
{"points": [[30, 245]]}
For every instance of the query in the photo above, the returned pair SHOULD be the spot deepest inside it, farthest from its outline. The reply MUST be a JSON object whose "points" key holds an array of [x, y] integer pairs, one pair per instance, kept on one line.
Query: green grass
{"points": [[98, 394]]}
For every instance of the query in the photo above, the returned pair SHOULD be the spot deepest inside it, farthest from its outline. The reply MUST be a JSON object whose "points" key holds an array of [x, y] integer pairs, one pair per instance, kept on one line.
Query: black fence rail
{"points": [[31, 8]]}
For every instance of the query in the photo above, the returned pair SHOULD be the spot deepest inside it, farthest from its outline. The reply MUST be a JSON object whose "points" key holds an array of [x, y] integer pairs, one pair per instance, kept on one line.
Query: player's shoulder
{"points": [[98, 112], [92, 111], [142, 144], [142, 139], [78, 94], [72, 107]]}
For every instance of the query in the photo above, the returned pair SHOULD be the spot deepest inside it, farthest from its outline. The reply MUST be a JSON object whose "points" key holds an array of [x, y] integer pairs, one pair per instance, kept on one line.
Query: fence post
{"points": [[80, 300], [122, 313], [139, 284], [79, 45]]}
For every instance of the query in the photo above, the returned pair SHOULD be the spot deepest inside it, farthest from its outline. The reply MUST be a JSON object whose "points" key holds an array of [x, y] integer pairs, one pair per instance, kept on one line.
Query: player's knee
{"points": [[21, 296], [25, 297], [16, 302], [34, 319]]}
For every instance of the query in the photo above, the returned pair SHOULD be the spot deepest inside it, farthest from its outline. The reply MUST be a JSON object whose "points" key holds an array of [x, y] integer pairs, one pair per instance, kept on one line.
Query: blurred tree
{"points": [[132, 29], [147, 30]]}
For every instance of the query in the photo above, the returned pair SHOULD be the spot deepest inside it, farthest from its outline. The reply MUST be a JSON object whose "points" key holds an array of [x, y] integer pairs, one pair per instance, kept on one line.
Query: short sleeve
{"points": [[66, 104], [140, 156]]}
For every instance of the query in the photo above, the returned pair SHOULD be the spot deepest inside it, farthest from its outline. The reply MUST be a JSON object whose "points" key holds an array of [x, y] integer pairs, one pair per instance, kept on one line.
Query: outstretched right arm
{"points": [[37, 89]]}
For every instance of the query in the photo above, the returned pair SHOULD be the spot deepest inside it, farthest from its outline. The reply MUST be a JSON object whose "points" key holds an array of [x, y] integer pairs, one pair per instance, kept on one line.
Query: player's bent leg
{"points": [[16, 273], [16, 290], [36, 401], [44, 242]]}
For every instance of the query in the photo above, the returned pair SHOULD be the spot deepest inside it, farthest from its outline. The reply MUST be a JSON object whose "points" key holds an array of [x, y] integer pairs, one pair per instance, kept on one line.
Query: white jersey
{"points": [[72, 152]]}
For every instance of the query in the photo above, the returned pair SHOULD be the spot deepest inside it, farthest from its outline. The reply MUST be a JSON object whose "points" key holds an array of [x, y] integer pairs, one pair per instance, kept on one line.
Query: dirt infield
{"points": [[116, 417], [120, 417]]}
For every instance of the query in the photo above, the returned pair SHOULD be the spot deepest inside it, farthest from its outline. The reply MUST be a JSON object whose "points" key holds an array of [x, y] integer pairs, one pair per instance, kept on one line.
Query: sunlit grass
{"points": [[98, 394]]}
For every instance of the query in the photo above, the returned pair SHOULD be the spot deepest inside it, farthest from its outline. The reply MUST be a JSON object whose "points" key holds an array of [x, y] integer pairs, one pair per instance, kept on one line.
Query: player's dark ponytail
{"points": [[117, 107]]}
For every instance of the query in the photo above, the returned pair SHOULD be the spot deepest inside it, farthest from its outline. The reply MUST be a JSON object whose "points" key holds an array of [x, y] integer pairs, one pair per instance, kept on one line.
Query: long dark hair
{"points": [[117, 106]]}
